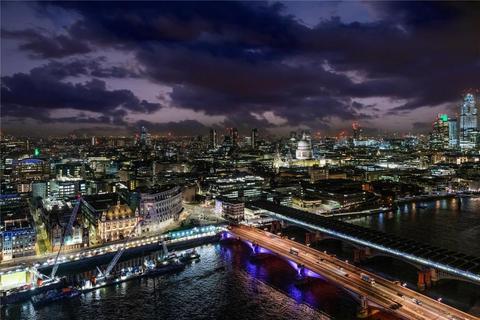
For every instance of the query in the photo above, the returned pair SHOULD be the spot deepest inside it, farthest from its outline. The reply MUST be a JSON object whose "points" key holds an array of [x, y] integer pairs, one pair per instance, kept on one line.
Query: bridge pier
{"points": [[311, 237], [276, 227], [256, 248], [363, 309], [361, 254], [301, 278], [425, 278], [433, 276]]}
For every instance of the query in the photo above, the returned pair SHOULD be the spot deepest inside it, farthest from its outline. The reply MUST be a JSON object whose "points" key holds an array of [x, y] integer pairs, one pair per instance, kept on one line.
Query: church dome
{"points": [[304, 149], [302, 144]]}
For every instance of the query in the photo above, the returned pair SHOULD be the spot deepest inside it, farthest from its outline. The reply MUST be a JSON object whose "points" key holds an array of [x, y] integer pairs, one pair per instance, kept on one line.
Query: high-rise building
{"points": [[254, 137], [439, 138], [212, 143], [144, 137], [468, 133], [234, 136], [453, 133], [357, 131]]}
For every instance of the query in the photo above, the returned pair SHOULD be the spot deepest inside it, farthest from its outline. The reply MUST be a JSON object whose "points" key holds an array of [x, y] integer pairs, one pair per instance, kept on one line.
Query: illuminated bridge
{"points": [[453, 264]]}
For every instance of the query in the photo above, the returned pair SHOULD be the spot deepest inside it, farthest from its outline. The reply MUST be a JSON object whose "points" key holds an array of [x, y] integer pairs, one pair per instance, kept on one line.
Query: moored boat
{"points": [[54, 295]]}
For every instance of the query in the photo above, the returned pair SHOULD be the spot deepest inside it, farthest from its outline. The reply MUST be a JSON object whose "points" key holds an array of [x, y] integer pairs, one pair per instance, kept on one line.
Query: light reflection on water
{"points": [[442, 223], [224, 284]]}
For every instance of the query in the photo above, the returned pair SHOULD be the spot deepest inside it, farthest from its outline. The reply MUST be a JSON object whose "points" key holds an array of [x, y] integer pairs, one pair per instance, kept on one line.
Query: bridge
{"points": [[443, 262], [383, 294]]}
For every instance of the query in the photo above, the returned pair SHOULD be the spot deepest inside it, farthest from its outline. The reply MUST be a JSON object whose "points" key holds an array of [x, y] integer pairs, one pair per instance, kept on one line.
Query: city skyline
{"points": [[100, 69]]}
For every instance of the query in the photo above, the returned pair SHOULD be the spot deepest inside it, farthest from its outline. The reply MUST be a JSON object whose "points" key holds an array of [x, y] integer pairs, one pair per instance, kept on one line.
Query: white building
{"points": [[304, 149], [233, 210], [160, 206]]}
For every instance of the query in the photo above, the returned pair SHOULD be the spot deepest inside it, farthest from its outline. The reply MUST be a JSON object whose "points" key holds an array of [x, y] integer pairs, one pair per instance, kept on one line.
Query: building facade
{"points": [[117, 222], [233, 210], [160, 206], [453, 133]]}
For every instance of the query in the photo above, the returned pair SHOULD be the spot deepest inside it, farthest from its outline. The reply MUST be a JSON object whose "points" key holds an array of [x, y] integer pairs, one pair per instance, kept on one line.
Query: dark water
{"points": [[450, 223], [224, 284]]}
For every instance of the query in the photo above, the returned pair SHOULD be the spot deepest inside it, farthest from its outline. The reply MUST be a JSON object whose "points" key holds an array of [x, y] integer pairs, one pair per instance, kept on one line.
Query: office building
{"points": [[468, 133], [253, 138], [453, 133], [212, 143]]}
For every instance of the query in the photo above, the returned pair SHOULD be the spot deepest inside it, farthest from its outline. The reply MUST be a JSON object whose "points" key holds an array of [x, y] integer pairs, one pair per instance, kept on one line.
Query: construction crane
{"points": [[119, 253], [66, 231]]}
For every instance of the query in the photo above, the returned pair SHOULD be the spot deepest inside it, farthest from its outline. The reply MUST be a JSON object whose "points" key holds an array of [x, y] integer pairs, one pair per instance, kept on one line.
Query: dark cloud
{"points": [[185, 127], [235, 59], [93, 67], [36, 94], [47, 46]]}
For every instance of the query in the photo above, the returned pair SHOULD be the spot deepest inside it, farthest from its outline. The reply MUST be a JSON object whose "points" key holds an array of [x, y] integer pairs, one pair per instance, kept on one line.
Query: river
{"points": [[224, 284]]}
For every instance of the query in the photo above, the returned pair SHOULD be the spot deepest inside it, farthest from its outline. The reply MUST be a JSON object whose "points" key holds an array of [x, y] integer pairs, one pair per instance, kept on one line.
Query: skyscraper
{"points": [[254, 138], [453, 133], [468, 134], [439, 138], [213, 139], [144, 137]]}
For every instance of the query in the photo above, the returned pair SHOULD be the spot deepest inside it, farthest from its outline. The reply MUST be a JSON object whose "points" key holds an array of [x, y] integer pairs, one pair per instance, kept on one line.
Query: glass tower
{"points": [[468, 122]]}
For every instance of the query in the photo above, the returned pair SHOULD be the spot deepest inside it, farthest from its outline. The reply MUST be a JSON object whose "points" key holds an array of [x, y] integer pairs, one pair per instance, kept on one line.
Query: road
{"points": [[85, 253], [383, 293]]}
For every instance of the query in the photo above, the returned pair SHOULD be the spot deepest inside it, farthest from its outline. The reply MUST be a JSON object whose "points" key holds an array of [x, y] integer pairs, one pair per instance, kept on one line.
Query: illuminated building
{"points": [[254, 138], [31, 169], [453, 133], [304, 149], [212, 143], [70, 169], [56, 214], [232, 210], [439, 138], [39, 189], [116, 222], [63, 188], [159, 206], [17, 232], [144, 137], [234, 186], [468, 123]]}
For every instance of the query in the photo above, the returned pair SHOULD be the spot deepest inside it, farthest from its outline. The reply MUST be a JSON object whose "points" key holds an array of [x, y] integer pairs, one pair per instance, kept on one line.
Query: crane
{"points": [[66, 230], [119, 253]]}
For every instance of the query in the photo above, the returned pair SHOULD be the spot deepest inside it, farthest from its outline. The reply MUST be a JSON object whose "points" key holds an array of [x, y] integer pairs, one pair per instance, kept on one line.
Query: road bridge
{"points": [[380, 293]]}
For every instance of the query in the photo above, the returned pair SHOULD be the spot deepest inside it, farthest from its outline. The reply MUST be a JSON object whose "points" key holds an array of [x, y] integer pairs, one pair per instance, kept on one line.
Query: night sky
{"points": [[110, 67]]}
